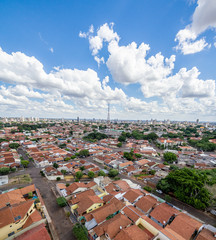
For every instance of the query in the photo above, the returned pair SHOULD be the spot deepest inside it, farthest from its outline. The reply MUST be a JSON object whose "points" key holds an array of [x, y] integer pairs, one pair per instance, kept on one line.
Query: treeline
{"points": [[203, 144], [137, 135], [95, 136], [189, 186]]}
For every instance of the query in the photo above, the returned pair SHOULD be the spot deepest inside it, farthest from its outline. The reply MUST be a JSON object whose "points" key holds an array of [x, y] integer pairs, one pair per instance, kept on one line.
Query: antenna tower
{"points": [[108, 115]]}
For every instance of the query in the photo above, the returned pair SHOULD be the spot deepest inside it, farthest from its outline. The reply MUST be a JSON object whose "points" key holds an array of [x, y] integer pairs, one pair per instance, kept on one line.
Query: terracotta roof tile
{"points": [[163, 212], [132, 194], [188, 225], [132, 233], [146, 203], [112, 226], [35, 233]]}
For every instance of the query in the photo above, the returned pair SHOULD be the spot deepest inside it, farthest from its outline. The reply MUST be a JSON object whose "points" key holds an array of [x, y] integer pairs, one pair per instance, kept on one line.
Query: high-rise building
{"points": [[197, 121]]}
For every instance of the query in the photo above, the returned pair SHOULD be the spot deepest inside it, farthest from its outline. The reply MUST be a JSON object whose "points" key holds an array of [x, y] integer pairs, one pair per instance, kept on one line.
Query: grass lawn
{"points": [[25, 178]]}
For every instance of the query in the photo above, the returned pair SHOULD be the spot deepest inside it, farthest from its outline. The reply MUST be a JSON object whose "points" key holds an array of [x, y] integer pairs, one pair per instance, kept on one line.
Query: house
{"points": [[146, 203], [132, 213], [133, 195], [206, 234], [17, 217], [133, 233], [125, 164], [38, 232], [189, 226], [110, 209], [163, 214], [52, 173], [111, 227]]}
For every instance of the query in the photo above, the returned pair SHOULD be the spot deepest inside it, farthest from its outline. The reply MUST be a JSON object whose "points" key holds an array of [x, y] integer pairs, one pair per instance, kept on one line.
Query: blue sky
{"points": [[148, 58]]}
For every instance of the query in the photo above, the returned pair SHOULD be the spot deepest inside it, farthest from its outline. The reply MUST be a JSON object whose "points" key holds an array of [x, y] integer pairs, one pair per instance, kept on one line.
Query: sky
{"points": [[149, 59]]}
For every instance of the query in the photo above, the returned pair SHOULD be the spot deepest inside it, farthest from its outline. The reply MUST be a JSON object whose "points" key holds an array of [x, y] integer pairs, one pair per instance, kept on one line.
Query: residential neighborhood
{"points": [[108, 186]]}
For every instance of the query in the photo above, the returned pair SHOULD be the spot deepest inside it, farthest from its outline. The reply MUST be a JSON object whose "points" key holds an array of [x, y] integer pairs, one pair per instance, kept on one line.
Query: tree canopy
{"points": [[188, 185], [25, 163], [95, 136], [14, 145], [170, 157], [113, 173], [84, 153]]}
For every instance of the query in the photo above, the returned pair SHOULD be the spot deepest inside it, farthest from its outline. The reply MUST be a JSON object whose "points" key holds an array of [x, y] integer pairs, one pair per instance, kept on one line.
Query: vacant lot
{"points": [[25, 178]]}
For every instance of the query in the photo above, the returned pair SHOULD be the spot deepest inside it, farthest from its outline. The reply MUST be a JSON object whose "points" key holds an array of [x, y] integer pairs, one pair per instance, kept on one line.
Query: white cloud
{"points": [[51, 50], [104, 34], [204, 18], [79, 86]]}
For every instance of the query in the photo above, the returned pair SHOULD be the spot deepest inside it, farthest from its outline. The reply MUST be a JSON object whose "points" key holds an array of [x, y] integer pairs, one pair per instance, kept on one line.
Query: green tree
{"points": [[63, 171], [55, 165], [147, 188], [113, 173], [61, 201], [170, 157], [101, 173], [25, 163], [84, 153], [79, 175], [14, 145], [188, 185], [82, 168], [91, 174], [119, 144], [80, 232], [122, 138], [4, 170]]}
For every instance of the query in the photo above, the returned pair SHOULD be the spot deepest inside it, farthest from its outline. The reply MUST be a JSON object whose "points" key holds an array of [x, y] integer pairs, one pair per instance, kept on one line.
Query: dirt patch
{"points": [[25, 178]]}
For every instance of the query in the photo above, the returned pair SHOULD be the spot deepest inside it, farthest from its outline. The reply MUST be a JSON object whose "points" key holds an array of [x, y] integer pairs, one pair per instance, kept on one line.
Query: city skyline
{"points": [[149, 60]]}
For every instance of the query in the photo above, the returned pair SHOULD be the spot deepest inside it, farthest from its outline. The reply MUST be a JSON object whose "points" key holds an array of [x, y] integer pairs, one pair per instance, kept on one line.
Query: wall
{"points": [[94, 207]]}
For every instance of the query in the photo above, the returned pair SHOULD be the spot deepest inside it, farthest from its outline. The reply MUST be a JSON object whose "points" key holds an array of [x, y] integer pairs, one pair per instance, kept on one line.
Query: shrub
{"points": [[147, 188], [61, 201], [58, 179]]}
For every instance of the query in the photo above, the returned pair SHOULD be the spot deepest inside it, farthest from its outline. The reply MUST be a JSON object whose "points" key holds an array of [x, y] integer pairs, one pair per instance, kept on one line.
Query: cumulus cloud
{"points": [[203, 18], [35, 87], [176, 93], [104, 34]]}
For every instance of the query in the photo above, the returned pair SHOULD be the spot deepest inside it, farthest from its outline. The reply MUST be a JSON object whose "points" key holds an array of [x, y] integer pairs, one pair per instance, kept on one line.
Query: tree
{"points": [[170, 157], [61, 201], [91, 174], [113, 173], [188, 185], [4, 170], [58, 179], [101, 173], [67, 159], [79, 175], [14, 145], [25, 163], [122, 138], [55, 165], [147, 188], [63, 171], [119, 144], [84, 153], [82, 168], [152, 172], [80, 232]]}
